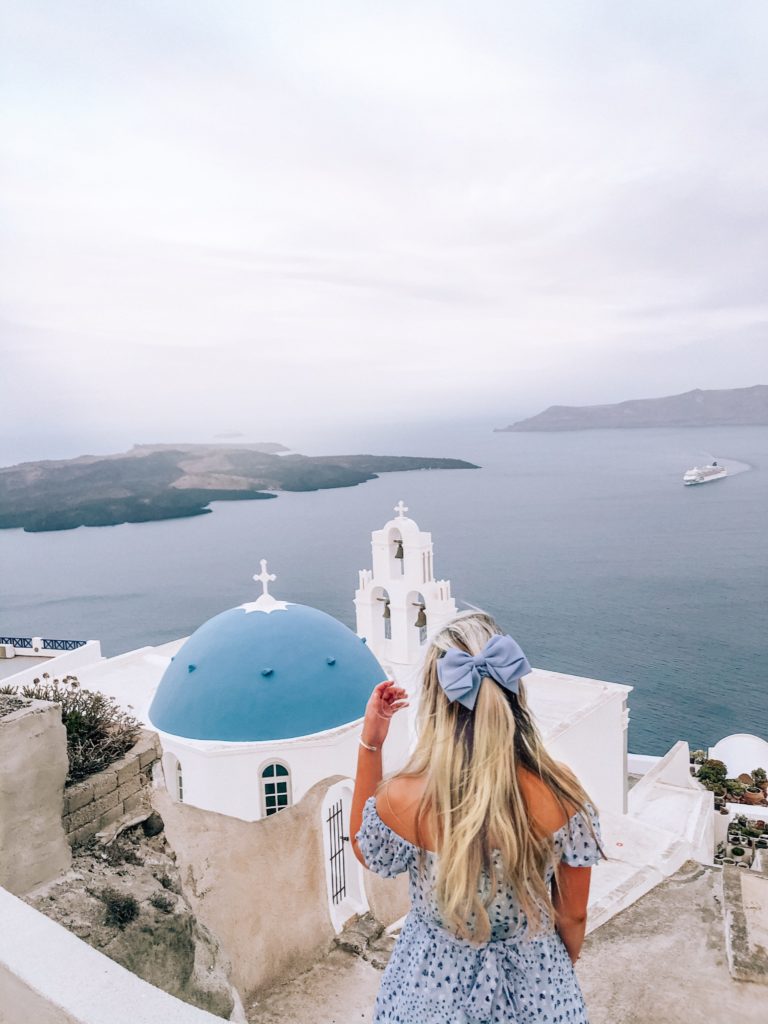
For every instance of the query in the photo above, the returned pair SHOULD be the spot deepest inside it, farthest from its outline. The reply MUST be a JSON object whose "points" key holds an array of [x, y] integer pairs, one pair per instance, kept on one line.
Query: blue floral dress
{"points": [[433, 977]]}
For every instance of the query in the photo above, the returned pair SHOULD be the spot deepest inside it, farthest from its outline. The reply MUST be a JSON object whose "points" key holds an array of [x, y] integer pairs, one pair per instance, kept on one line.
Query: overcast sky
{"points": [[240, 215]]}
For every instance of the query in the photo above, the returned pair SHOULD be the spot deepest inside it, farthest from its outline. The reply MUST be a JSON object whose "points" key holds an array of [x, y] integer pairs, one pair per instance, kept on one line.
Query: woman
{"points": [[497, 837]]}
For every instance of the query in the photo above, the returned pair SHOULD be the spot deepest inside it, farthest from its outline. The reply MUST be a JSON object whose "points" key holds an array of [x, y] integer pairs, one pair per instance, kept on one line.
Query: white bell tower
{"points": [[399, 603]]}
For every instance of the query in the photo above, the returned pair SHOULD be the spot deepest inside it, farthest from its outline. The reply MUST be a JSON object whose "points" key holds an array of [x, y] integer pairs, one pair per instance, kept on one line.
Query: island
{"points": [[734, 407], [170, 481]]}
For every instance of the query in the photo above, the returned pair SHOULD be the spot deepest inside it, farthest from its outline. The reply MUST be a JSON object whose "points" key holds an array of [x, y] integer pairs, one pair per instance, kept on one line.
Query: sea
{"points": [[584, 545]]}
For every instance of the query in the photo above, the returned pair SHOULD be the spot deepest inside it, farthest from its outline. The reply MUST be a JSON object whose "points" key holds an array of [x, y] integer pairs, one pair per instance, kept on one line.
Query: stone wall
{"points": [[261, 887], [33, 768], [388, 898], [121, 789]]}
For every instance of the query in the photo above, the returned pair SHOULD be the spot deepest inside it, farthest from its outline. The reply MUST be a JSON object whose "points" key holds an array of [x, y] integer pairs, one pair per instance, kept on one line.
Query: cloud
{"points": [[350, 207]]}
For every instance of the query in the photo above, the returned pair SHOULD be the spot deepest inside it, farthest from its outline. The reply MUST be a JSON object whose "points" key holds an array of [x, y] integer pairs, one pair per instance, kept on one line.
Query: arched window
{"points": [[275, 788], [382, 597], [174, 781], [420, 622], [396, 554]]}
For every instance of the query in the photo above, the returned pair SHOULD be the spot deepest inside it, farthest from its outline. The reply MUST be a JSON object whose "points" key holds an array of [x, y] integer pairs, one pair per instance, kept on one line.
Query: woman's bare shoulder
{"points": [[543, 806], [397, 804]]}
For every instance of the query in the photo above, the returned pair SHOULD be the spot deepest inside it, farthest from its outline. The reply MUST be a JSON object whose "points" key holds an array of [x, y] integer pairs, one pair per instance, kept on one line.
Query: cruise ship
{"points": [[704, 474]]}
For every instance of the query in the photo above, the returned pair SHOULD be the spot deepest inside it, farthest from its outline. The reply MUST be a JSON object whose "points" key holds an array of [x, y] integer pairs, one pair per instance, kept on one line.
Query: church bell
{"points": [[387, 614], [421, 618], [399, 549]]}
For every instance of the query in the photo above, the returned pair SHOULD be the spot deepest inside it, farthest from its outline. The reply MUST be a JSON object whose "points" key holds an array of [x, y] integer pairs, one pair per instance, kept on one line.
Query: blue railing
{"points": [[25, 642], [62, 645], [16, 641]]}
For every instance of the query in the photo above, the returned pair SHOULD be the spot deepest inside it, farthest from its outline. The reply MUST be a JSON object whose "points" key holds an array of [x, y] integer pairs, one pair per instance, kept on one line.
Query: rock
{"points": [[359, 934], [153, 825]]}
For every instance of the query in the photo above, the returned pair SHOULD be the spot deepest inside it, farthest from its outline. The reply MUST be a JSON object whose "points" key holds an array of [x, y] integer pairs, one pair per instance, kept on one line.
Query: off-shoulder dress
{"points": [[433, 977]]}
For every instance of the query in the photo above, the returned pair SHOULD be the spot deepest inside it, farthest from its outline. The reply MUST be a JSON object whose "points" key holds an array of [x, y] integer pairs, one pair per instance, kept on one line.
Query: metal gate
{"points": [[337, 839]]}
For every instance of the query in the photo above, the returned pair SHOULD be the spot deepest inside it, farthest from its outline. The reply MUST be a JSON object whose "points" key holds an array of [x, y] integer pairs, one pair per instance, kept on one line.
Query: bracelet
{"points": [[367, 745]]}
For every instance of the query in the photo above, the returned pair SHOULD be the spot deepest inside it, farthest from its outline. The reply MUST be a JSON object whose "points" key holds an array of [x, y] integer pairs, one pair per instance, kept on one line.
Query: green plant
{"points": [[737, 851], [98, 731], [712, 771], [735, 788], [698, 756], [160, 901], [759, 775], [122, 908]]}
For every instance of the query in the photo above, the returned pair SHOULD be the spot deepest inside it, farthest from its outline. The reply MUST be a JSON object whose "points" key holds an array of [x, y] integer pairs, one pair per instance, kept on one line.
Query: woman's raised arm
{"points": [[387, 698]]}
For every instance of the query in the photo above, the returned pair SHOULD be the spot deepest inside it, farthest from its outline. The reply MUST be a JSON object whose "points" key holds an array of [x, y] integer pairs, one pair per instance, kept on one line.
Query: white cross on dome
{"points": [[265, 578], [265, 602], [401, 508]]}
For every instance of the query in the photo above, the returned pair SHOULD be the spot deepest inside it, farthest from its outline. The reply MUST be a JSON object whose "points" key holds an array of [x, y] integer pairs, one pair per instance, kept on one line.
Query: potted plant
{"points": [[761, 844], [698, 756], [753, 795], [737, 852], [734, 789]]}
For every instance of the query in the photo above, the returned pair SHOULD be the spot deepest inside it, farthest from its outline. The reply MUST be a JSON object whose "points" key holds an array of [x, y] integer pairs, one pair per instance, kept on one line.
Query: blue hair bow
{"points": [[460, 674]]}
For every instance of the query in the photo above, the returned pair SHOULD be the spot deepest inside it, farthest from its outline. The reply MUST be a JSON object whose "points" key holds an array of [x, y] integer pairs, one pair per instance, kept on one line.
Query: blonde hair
{"points": [[469, 760]]}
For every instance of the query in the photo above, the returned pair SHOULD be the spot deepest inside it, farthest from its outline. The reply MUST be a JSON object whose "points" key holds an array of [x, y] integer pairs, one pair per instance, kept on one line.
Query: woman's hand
{"points": [[387, 699]]}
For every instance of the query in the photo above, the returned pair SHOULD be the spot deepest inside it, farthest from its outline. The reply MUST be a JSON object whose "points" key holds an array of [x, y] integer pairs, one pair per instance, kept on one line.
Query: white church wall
{"points": [[225, 777], [594, 747]]}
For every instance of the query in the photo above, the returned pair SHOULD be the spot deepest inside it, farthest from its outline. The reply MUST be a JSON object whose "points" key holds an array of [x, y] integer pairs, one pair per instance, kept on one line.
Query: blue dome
{"points": [[246, 675]]}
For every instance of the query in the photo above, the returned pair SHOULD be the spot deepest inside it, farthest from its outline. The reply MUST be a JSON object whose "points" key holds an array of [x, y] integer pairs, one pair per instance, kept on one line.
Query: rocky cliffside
{"points": [[124, 898]]}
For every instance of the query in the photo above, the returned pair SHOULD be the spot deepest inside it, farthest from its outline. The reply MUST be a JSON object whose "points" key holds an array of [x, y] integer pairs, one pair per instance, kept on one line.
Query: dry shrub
{"points": [[98, 731]]}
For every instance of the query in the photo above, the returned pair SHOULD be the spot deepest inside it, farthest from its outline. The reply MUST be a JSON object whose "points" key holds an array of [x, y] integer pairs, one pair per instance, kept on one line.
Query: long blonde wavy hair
{"points": [[469, 760]]}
